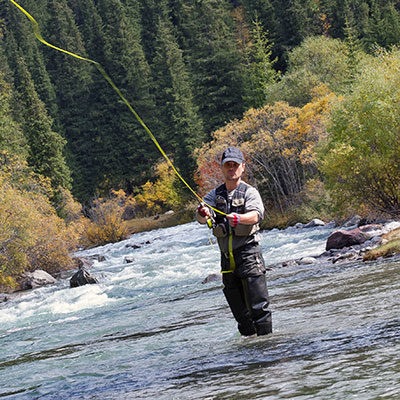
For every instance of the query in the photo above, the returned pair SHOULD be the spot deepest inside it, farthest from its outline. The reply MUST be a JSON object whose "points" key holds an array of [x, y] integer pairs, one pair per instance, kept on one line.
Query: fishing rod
{"points": [[38, 35]]}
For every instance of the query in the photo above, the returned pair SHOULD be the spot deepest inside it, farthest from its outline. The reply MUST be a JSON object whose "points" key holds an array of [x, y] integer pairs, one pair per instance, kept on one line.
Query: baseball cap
{"points": [[232, 154]]}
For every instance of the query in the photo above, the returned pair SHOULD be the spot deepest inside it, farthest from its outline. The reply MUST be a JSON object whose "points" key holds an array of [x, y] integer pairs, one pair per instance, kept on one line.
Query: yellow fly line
{"points": [[38, 35]]}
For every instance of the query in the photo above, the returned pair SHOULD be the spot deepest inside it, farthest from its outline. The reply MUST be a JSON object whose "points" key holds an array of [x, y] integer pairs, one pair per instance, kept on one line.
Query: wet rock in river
{"points": [[315, 222], [82, 277], [289, 263], [355, 220], [3, 298], [346, 256], [212, 278], [342, 238], [35, 279], [307, 261]]}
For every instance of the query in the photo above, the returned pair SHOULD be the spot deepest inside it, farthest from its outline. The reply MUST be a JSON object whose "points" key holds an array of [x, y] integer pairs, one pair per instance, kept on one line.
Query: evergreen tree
{"points": [[182, 129], [214, 62], [128, 151], [72, 79], [19, 34], [89, 150], [149, 15], [306, 15], [12, 139], [384, 25], [336, 12], [354, 48], [287, 34], [259, 71], [45, 154], [263, 11]]}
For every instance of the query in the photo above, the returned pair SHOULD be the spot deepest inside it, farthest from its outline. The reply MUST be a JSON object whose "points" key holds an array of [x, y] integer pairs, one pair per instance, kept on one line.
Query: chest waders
{"points": [[221, 227], [243, 268]]}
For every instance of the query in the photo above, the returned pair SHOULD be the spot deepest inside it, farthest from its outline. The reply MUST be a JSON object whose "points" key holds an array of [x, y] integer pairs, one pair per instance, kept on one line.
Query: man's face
{"points": [[232, 171]]}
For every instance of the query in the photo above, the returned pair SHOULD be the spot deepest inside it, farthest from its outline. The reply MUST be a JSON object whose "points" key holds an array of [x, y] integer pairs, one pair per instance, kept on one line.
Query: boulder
{"points": [[82, 277], [35, 279], [342, 238], [3, 298], [212, 278], [289, 263], [352, 221], [313, 223], [129, 260], [307, 261], [346, 256]]}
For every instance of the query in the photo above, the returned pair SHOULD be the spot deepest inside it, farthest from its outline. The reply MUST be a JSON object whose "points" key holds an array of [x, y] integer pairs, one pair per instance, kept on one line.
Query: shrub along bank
{"points": [[32, 235]]}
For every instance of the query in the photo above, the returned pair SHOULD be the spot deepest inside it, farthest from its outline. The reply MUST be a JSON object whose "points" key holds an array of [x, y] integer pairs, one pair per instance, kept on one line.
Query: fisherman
{"points": [[237, 232]]}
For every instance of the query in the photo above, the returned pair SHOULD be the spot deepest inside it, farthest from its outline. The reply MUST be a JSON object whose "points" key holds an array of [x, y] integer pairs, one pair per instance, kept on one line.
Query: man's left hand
{"points": [[233, 219]]}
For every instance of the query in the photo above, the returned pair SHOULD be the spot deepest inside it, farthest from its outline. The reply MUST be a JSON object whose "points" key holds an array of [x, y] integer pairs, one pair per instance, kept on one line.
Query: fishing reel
{"points": [[210, 223]]}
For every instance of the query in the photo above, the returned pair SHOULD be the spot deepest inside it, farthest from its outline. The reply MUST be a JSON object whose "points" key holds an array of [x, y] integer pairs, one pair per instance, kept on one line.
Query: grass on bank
{"points": [[390, 246], [144, 224]]}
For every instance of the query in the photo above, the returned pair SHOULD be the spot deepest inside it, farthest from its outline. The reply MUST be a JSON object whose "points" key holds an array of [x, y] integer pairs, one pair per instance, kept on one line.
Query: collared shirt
{"points": [[252, 202]]}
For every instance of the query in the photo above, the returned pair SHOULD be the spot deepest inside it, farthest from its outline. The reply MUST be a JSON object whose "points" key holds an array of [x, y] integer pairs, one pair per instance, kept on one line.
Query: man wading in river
{"points": [[237, 232]]}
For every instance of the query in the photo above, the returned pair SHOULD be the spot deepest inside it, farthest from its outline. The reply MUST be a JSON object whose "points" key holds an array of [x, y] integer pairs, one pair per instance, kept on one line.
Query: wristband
{"points": [[236, 220]]}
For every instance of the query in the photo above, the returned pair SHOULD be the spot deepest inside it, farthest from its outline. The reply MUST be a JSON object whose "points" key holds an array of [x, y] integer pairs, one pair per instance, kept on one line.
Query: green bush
{"points": [[318, 60], [361, 159]]}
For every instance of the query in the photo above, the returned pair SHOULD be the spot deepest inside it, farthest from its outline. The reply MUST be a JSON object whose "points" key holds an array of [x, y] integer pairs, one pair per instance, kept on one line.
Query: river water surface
{"points": [[151, 330]]}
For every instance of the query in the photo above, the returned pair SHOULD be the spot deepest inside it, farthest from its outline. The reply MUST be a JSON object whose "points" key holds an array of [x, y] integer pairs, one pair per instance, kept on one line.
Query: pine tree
{"points": [[45, 154], [353, 45], [384, 25], [208, 40], [88, 152], [182, 129], [12, 139], [149, 13], [19, 34], [306, 15], [128, 151], [263, 11], [259, 70], [72, 80]]}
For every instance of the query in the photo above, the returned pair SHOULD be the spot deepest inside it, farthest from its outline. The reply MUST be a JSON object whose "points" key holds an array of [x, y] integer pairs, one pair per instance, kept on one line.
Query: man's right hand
{"points": [[203, 210]]}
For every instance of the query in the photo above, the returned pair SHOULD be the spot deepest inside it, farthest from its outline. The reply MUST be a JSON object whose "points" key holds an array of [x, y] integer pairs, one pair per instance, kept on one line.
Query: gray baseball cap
{"points": [[232, 154]]}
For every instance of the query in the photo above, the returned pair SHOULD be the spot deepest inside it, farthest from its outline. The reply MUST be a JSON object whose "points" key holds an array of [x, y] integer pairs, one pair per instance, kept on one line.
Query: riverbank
{"points": [[159, 221], [381, 242]]}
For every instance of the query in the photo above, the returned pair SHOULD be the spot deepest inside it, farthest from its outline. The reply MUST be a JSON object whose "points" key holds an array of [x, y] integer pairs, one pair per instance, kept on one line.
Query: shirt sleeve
{"points": [[209, 198], [254, 202]]}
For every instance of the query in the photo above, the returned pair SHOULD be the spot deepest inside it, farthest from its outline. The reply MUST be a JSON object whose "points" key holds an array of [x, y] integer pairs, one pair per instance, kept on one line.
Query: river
{"points": [[151, 330]]}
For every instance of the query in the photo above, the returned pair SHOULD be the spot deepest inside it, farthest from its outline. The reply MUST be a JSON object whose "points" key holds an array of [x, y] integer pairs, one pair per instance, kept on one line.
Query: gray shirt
{"points": [[252, 202]]}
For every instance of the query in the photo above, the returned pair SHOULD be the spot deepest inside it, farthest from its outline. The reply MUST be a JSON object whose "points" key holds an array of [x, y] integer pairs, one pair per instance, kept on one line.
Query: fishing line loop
{"points": [[38, 35]]}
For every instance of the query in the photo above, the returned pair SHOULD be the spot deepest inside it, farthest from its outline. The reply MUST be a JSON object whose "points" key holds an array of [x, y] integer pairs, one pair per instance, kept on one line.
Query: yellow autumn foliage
{"points": [[279, 143], [161, 195], [32, 236], [106, 223]]}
